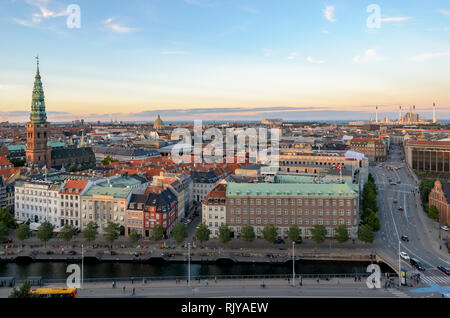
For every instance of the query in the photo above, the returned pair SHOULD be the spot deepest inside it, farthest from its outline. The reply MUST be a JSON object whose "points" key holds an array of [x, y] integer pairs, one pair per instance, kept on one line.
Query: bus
{"points": [[54, 292]]}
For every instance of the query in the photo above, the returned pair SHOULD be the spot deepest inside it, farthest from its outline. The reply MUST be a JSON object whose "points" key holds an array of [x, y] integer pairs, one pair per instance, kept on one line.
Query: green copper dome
{"points": [[158, 122], [38, 114]]}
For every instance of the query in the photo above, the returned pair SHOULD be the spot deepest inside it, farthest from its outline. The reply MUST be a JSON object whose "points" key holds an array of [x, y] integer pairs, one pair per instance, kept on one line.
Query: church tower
{"points": [[38, 153]]}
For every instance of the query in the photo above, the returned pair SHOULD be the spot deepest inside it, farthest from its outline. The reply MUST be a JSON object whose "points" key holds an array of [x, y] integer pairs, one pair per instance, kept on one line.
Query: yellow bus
{"points": [[54, 292]]}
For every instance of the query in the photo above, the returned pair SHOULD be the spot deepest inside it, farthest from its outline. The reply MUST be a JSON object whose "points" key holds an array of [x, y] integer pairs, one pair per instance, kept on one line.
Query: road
{"points": [[423, 244]]}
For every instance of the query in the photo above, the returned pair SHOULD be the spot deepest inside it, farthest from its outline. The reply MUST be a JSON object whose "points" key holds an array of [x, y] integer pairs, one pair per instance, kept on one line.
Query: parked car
{"points": [[395, 201], [400, 208], [279, 241], [7, 241], [299, 241], [404, 255], [445, 228], [444, 269], [417, 264], [398, 182], [405, 238]]}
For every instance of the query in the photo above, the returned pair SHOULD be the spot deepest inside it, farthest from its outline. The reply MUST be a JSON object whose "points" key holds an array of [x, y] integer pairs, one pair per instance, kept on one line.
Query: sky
{"points": [[225, 59]]}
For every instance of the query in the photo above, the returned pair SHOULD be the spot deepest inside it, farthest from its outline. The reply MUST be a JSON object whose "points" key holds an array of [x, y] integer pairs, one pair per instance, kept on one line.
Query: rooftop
{"points": [[120, 193]]}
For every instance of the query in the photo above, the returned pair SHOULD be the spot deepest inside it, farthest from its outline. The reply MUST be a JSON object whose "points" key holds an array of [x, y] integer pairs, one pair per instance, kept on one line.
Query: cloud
{"points": [[117, 27], [445, 29], [395, 19], [267, 52], [324, 31], [314, 61], [328, 13], [445, 12], [293, 56], [169, 52], [428, 56], [44, 13], [369, 56]]}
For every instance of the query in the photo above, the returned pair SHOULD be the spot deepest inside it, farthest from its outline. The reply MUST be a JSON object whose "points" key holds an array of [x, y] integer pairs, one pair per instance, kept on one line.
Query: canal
{"points": [[57, 270]]}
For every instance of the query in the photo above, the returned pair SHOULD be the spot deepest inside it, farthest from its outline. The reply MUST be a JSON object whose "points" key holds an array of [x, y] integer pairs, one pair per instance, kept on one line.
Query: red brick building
{"points": [[440, 198]]}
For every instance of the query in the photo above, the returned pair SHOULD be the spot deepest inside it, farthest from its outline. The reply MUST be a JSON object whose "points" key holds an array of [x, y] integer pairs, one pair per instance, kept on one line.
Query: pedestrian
{"points": [[215, 279], [134, 291], [132, 279], [289, 280], [187, 281], [317, 280], [356, 278], [113, 284], [123, 289], [206, 282]]}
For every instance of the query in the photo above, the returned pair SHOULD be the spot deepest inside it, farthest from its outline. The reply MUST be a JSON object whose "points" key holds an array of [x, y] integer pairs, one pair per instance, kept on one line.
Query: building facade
{"points": [[375, 149], [433, 156], [70, 199], [214, 209], [440, 198]]}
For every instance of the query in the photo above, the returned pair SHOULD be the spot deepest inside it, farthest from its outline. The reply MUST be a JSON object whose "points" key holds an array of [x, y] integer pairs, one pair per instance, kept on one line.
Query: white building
{"points": [[214, 210]]}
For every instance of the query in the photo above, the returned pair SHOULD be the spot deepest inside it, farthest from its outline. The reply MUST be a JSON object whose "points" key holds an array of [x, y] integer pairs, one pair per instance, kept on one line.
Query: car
{"points": [[417, 264], [299, 241], [404, 255], [400, 208], [279, 241], [395, 201], [7, 241], [393, 183], [444, 270], [72, 252], [405, 238], [398, 182], [445, 228]]}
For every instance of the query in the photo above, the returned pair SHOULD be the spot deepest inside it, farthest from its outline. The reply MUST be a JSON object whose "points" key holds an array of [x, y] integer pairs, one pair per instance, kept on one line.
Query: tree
{"points": [[134, 236], [318, 233], [90, 231], [341, 234], [202, 233], [17, 162], [67, 232], [23, 232], [107, 161], [365, 215], [158, 233], [179, 232], [425, 187], [294, 233], [433, 213], [7, 218], [22, 292], [45, 232], [3, 231], [365, 234], [270, 233], [112, 232], [224, 234], [374, 222], [248, 233]]}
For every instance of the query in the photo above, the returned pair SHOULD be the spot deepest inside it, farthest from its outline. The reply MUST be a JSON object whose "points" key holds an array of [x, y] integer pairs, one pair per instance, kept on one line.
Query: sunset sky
{"points": [[225, 59]]}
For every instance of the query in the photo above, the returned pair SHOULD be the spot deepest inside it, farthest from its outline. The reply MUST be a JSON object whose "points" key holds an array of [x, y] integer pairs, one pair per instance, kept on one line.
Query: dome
{"points": [[158, 123]]}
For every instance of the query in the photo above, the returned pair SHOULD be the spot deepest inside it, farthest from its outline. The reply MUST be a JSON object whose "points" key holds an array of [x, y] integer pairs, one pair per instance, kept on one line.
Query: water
{"points": [[57, 270]]}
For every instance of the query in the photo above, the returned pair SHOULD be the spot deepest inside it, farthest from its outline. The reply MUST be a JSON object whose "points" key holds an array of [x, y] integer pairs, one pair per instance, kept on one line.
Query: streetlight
{"points": [[189, 264], [82, 264], [293, 264], [399, 264]]}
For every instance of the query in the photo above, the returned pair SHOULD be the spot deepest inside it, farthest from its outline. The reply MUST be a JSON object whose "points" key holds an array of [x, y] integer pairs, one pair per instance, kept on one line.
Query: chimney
{"points": [[434, 113], [400, 114]]}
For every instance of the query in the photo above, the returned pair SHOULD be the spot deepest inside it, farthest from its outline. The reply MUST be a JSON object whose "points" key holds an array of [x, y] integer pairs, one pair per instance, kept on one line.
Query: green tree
{"points": [[45, 232], [270, 233], [23, 232], [224, 234], [7, 218], [318, 233], [425, 187], [90, 232], [293, 233], [179, 232], [17, 162], [433, 213], [365, 215], [365, 234], [341, 234], [67, 232], [158, 233], [3, 231], [134, 237], [106, 161], [202, 233], [374, 222], [248, 234], [112, 232], [22, 292]]}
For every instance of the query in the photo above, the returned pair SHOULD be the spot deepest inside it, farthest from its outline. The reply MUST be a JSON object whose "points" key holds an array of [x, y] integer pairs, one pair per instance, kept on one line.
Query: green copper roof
{"points": [[291, 190], [38, 114], [119, 193]]}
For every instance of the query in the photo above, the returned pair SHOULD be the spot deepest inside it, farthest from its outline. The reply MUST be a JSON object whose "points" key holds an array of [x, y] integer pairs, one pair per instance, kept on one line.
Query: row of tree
{"points": [[369, 219]]}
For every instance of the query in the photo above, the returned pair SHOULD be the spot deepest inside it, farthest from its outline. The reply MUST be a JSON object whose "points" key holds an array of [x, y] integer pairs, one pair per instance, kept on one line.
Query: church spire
{"points": [[38, 114]]}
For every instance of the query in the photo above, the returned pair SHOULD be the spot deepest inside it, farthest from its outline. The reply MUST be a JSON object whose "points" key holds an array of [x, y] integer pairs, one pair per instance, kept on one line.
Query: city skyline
{"points": [[197, 59]]}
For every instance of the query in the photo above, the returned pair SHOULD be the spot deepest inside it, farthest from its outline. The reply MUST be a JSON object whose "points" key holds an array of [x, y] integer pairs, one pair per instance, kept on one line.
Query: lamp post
{"points": [[189, 264], [82, 264], [399, 264], [293, 264]]}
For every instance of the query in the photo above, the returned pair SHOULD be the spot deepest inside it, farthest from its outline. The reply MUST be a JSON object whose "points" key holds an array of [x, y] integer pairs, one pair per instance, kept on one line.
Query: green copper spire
{"points": [[38, 114]]}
